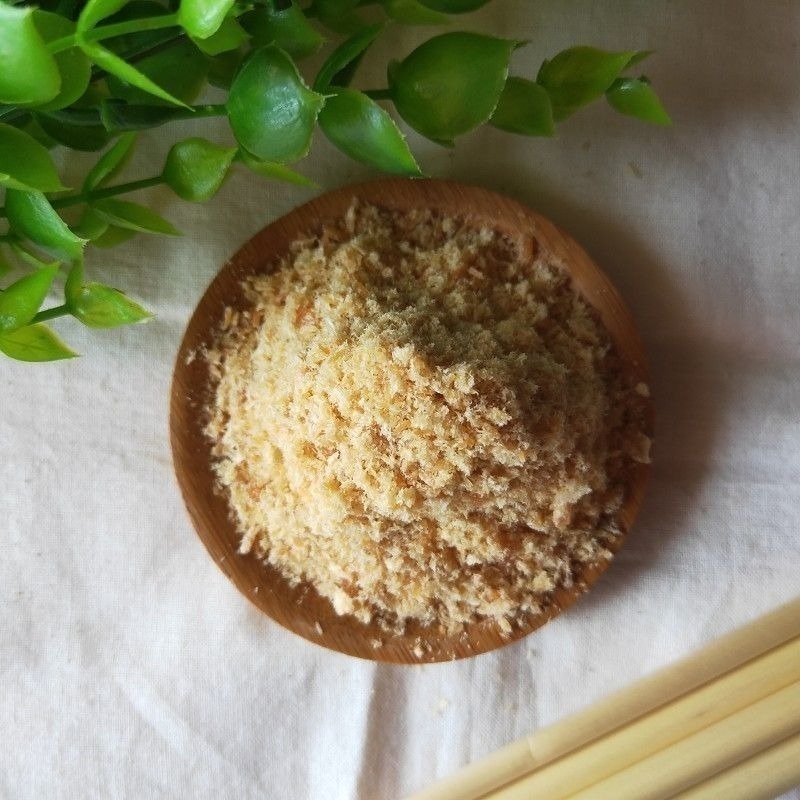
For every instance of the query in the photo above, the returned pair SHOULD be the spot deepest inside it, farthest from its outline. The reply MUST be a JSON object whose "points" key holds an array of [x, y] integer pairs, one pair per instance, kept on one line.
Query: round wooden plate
{"points": [[301, 609]]}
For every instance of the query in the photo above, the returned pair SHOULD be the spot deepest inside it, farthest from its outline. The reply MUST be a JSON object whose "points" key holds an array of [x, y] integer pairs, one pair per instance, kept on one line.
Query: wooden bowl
{"points": [[301, 609]]}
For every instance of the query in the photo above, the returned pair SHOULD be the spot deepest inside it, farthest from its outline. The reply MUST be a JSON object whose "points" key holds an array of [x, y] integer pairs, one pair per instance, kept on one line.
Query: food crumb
{"points": [[635, 169], [424, 421]]}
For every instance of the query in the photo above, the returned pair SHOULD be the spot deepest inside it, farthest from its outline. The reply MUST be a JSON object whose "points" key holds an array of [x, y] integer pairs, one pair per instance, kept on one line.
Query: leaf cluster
{"points": [[90, 75]]}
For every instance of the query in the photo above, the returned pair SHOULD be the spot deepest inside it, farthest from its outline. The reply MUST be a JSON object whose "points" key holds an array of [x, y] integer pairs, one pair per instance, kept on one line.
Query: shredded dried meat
{"points": [[423, 420]]}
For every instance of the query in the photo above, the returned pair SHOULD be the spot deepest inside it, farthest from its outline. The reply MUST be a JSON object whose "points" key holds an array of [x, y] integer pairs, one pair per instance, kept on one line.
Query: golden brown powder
{"points": [[423, 420]]}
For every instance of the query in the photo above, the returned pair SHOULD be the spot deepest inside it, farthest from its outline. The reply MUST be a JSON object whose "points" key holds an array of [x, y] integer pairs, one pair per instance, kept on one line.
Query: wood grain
{"points": [[301, 609]]}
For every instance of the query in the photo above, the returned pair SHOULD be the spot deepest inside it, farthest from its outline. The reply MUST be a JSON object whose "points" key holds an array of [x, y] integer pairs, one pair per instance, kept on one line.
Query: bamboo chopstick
{"points": [[704, 754], [667, 725], [761, 777], [522, 757]]}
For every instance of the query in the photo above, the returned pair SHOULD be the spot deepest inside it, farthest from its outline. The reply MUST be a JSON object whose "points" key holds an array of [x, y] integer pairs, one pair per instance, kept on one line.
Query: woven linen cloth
{"points": [[131, 668]]}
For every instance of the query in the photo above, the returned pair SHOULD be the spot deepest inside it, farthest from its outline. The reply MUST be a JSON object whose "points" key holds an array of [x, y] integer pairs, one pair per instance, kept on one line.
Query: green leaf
{"points": [[638, 57], [134, 44], [230, 36], [34, 343], [119, 116], [77, 116], [27, 257], [359, 127], [179, 69], [270, 108], [64, 130], [133, 216], [340, 66], [114, 65], [29, 74], [222, 69], [454, 6], [96, 11], [451, 83], [337, 15], [5, 264], [577, 76], [636, 98], [90, 226], [31, 216], [413, 12], [110, 163], [287, 28], [113, 236], [21, 300], [91, 99], [524, 108], [24, 163], [100, 306], [73, 66], [202, 18], [35, 131], [269, 169], [75, 279], [196, 168]]}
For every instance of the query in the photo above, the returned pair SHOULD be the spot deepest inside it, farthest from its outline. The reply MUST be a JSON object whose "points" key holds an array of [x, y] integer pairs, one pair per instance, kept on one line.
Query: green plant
{"points": [[89, 75]]}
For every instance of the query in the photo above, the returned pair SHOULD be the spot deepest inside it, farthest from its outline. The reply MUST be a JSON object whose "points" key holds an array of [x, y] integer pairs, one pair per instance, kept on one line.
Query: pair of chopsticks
{"points": [[723, 723]]}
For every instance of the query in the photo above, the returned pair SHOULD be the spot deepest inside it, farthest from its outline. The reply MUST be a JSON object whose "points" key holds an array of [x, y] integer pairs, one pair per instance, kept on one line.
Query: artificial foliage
{"points": [[90, 76]]}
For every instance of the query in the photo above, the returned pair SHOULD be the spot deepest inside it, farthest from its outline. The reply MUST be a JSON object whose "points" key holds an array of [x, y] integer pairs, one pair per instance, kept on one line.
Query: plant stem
{"points": [[108, 191], [211, 110], [51, 313], [100, 194], [378, 94], [118, 29]]}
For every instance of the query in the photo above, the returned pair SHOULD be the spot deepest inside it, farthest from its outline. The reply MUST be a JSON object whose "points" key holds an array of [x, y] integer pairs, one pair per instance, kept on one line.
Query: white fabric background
{"points": [[131, 668]]}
